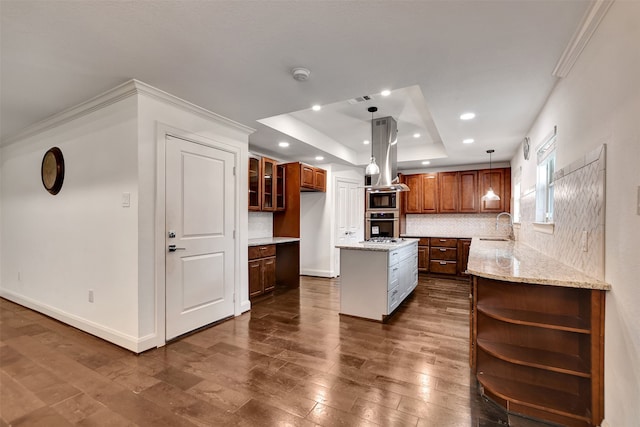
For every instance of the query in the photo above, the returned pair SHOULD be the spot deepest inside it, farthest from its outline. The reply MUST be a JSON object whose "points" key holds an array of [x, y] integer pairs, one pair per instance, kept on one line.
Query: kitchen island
{"points": [[537, 333], [376, 277]]}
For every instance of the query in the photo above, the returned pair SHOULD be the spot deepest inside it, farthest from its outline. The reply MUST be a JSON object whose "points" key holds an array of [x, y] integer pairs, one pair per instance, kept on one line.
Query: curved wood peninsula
{"points": [[537, 334]]}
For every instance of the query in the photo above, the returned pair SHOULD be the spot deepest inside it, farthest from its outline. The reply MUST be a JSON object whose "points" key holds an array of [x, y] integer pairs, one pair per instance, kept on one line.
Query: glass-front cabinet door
{"points": [[280, 188], [254, 184], [268, 184]]}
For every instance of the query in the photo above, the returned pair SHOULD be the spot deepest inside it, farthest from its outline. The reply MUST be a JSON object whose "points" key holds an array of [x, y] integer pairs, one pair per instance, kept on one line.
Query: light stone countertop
{"points": [[516, 262], [272, 240], [381, 247]]}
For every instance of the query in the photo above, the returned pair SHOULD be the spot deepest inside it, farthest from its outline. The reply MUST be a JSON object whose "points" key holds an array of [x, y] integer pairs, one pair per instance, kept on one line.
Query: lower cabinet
{"points": [[262, 269], [423, 254], [464, 245], [443, 256], [538, 349]]}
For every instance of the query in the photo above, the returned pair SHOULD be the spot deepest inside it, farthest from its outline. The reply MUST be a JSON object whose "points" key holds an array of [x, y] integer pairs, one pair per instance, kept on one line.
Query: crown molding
{"points": [[590, 21], [130, 88]]}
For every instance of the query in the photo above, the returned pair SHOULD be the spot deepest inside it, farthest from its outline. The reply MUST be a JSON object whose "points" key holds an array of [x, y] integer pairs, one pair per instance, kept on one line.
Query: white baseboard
{"points": [[136, 345], [317, 273], [245, 306]]}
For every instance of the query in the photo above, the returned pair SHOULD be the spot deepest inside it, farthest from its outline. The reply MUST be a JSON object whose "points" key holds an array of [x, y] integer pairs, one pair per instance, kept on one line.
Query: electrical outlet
{"points": [[126, 200], [584, 241], [90, 295]]}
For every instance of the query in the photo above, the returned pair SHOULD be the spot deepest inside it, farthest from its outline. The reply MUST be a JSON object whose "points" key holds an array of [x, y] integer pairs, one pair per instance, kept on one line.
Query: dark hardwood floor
{"points": [[292, 360]]}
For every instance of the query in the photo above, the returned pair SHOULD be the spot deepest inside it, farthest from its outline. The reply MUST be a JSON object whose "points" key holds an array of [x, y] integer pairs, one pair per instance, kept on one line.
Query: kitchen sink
{"points": [[495, 239]]}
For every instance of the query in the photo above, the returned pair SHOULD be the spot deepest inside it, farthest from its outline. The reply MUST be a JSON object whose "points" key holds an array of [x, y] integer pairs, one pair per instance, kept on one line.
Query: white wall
{"points": [[317, 223], [61, 246], [599, 103], [157, 116], [56, 248]]}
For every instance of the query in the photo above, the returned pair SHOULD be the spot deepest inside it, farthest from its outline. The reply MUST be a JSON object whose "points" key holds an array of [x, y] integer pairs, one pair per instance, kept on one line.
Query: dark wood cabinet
{"points": [[429, 193], [468, 197], [538, 349], [413, 197], [423, 255], [320, 179], [280, 188], [262, 269], [456, 192], [312, 178], [464, 245], [500, 181], [448, 192], [266, 185], [422, 196], [443, 255], [255, 181]]}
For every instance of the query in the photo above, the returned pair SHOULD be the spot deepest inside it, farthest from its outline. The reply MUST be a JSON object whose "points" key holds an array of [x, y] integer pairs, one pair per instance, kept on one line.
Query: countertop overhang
{"points": [[382, 247], [513, 261], [272, 240]]}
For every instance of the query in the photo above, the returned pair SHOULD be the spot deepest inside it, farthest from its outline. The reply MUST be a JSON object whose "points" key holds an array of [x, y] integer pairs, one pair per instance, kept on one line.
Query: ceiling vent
{"points": [[360, 99]]}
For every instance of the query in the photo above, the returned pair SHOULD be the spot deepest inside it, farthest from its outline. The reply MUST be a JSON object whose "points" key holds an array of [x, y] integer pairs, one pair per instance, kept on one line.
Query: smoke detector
{"points": [[300, 74]]}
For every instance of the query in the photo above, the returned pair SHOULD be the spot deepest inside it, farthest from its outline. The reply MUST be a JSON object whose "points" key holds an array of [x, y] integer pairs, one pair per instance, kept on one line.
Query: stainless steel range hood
{"points": [[384, 138]]}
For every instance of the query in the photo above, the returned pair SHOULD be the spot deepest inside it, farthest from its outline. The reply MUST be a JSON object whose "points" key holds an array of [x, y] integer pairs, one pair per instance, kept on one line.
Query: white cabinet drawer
{"points": [[394, 299]]}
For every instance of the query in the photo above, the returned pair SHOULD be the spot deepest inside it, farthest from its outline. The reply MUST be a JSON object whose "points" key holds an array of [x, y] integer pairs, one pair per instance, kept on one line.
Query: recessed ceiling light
{"points": [[283, 144], [468, 141], [467, 116], [316, 107], [416, 135], [426, 162], [366, 142], [319, 158], [385, 92]]}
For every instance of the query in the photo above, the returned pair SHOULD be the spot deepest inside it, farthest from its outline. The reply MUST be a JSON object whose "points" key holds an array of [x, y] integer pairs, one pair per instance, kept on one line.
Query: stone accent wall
{"points": [[579, 199]]}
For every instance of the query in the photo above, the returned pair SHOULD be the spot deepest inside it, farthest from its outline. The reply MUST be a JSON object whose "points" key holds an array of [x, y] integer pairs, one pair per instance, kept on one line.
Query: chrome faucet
{"points": [[511, 235]]}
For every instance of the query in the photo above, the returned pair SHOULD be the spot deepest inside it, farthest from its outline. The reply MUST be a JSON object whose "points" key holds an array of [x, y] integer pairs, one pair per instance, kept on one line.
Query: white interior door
{"points": [[200, 222], [349, 216]]}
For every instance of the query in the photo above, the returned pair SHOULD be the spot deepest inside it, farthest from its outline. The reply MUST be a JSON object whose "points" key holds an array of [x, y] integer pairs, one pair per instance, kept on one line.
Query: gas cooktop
{"points": [[381, 240]]}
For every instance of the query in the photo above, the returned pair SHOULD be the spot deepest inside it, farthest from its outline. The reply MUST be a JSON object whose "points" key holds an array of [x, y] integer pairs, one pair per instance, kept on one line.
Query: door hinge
{"points": [[234, 234], [234, 171]]}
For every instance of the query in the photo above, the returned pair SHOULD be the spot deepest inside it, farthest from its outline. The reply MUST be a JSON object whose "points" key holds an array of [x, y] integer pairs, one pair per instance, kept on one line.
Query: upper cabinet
{"points": [[423, 197], [255, 195], [500, 181], [266, 185], [457, 192], [312, 178]]}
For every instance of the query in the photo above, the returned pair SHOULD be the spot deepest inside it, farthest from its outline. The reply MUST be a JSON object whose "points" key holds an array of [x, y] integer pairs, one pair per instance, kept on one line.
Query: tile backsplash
{"points": [[457, 225], [579, 198], [260, 225]]}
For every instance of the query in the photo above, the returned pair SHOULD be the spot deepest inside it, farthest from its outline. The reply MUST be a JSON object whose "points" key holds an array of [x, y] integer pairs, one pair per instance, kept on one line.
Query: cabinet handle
{"points": [[264, 248], [395, 269], [443, 250], [443, 263], [443, 240]]}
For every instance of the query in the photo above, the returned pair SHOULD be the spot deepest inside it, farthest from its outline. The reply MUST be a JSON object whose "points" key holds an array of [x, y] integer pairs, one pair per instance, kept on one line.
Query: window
{"points": [[544, 186], [516, 201]]}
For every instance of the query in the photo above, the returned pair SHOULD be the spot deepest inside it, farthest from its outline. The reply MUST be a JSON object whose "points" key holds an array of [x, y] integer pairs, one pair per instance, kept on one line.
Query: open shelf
{"points": [[536, 397], [537, 358], [533, 318]]}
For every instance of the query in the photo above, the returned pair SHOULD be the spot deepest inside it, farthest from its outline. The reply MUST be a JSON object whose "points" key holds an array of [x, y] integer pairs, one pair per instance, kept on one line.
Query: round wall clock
{"points": [[52, 170], [526, 148]]}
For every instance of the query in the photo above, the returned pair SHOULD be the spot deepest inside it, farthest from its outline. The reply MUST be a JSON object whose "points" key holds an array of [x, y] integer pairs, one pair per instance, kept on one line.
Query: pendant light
{"points": [[372, 167], [490, 196]]}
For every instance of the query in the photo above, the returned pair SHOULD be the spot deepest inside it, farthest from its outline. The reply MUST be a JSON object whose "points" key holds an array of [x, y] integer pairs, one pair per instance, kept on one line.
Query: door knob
{"points": [[172, 248]]}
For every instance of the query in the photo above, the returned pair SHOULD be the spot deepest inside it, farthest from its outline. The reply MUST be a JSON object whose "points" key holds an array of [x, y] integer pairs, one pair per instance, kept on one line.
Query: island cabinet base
{"points": [[538, 350], [373, 283]]}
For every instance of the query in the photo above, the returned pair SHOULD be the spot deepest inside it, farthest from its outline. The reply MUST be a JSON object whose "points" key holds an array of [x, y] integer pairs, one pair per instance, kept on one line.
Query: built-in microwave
{"points": [[383, 200]]}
